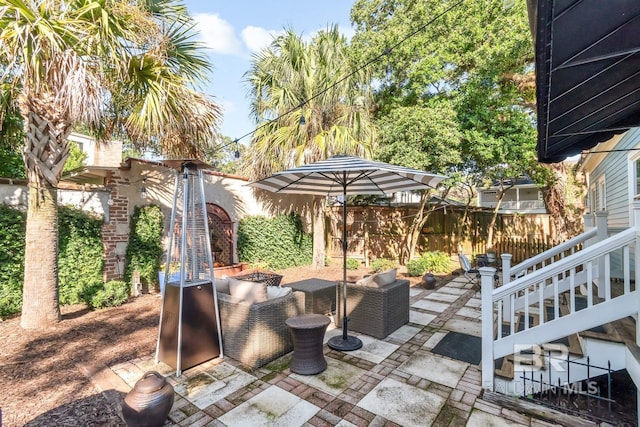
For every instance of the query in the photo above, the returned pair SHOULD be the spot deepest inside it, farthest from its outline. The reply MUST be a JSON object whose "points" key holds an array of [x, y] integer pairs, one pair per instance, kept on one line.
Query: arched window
{"points": [[221, 234]]}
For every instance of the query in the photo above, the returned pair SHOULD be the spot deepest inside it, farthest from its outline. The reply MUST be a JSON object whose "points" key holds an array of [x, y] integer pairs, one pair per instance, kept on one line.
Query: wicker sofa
{"points": [[377, 311], [256, 333]]}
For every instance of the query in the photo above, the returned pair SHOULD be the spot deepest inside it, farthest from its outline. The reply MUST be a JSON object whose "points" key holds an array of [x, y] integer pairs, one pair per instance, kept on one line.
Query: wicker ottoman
{"points": [[307, 332], [319, 295]]}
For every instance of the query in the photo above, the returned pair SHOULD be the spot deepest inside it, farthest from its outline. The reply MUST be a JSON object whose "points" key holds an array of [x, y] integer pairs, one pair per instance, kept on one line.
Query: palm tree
{"points": [[123, 67], [291, 80]]}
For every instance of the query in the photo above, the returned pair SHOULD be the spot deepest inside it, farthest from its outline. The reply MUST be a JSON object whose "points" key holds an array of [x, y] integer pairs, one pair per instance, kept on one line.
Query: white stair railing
{"points": [[546, 287], [591, 235]]}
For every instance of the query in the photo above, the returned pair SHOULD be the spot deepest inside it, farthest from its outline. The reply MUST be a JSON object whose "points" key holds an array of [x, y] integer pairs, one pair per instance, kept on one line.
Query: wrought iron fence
{"points": [[591, 397]]}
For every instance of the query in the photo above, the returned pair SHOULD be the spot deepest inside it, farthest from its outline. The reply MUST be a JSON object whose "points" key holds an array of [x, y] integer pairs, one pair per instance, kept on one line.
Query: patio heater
{"points": [[189, 330]]}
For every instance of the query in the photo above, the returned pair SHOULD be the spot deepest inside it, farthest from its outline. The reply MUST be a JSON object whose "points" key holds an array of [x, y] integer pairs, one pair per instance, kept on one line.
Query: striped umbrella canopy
{"points": [[342, 175], [347, 175]]}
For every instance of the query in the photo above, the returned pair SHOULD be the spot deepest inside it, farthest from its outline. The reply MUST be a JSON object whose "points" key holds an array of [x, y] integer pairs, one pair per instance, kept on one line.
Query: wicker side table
{"points": [[320, 295], [307, 332]]}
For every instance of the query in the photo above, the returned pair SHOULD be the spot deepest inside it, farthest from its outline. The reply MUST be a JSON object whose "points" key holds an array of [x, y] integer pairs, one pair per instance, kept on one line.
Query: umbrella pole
{"points": [[345, 342]]}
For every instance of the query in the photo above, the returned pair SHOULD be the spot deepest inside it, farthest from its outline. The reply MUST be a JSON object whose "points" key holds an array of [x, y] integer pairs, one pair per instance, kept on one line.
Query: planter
{"points": [[429, 281], [230, 270], [150, 401]]}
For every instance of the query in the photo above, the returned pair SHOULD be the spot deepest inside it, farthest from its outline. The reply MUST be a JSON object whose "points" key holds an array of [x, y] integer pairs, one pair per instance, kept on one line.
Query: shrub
{"points": [[383, 264], [144, 251], [12, 228], [352, 264], [80, 257], [416, 267], [111, 294], [434, 262], [277, 242]]}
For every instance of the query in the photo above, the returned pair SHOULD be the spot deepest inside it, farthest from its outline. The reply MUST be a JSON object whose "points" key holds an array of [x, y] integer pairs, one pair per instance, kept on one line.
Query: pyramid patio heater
{"points": [[189, 330]]}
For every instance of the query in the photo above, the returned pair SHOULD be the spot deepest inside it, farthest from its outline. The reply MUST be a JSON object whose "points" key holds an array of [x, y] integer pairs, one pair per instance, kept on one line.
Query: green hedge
{"points": [[278, 242], [144, 251], [12, 229], [80, 256]]}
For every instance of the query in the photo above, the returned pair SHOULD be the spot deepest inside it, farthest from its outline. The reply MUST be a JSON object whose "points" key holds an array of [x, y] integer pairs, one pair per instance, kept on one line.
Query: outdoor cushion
{"points": [[367, 281], [378, 280], [386, 277], [250, 292], [277, 291], [222, 285]]}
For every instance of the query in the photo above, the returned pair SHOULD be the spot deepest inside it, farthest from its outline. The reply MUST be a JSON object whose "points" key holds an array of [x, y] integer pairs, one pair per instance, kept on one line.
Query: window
{"points": [[636, 193], [633, 173], [597, 192]]}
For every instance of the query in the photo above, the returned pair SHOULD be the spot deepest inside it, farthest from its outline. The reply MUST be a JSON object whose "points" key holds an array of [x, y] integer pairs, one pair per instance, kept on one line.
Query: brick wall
{"points": [[115, 232]]}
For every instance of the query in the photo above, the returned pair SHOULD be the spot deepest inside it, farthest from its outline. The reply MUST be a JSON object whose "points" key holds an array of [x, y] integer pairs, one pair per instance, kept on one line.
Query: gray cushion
{"points": [[222, 285], [385, 278], [277, 291], [247, 291]]}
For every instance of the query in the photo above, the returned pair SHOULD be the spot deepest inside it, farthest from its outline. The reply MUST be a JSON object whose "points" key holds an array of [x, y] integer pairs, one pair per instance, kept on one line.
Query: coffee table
{"points": [[307, 332], [320, 295]]}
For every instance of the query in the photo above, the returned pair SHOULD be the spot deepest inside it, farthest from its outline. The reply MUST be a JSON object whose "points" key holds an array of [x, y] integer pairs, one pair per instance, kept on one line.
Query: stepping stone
{"points": [[434, 368], [469, 312], [374, 350], [404, 333], [206, 388], [464, 326], [273, 406], [438, 307], [402, 403], [434, 340], [452, 291], [420, 318], [439, 296], [334, 380]]}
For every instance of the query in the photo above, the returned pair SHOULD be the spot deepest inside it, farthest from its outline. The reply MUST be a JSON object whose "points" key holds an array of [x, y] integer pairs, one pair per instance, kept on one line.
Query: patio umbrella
{"points": [[342, 176]]}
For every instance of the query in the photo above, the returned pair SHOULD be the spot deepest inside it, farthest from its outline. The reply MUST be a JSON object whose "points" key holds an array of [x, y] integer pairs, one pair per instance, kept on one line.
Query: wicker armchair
{"points": [[256, 334], [377, 311]]}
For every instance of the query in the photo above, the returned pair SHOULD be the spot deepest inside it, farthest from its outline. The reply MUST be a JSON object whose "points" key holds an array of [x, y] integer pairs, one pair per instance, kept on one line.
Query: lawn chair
{"points": [[472, 274]]}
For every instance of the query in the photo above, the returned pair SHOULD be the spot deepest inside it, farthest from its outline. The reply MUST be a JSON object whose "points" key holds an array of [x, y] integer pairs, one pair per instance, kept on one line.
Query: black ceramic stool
{"points": [[307, 332]]}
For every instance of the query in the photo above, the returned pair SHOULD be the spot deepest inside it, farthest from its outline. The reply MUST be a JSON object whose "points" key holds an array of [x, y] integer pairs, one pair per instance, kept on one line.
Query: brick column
{"points": [[115, 232]]}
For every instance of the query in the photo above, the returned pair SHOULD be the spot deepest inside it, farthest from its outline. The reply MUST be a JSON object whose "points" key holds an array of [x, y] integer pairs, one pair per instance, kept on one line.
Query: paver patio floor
{"points": [[395, 381]]}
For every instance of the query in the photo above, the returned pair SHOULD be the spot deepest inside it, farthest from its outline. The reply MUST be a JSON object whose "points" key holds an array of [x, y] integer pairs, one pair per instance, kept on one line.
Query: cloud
{"points": [[218, 35], [257, 38]]}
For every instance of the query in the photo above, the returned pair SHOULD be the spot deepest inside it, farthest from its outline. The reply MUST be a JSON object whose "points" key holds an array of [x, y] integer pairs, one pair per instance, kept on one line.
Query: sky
{"points": [[234, 29]]}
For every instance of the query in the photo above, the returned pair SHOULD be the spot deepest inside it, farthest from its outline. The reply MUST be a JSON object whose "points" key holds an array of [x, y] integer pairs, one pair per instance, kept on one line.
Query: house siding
{"points": [[615, 169]]}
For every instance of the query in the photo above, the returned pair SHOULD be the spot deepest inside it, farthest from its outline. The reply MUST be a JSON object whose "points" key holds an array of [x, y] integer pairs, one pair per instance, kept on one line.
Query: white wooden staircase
{"points": [[560, 293]]}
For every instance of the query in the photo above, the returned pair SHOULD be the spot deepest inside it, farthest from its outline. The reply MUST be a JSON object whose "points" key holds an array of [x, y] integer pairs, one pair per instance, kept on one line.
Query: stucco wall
{"points": [[124, 187]]}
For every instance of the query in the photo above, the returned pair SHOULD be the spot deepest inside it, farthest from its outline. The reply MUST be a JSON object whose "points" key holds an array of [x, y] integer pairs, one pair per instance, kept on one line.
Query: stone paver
{"points": [[403, 404], [271, 405]]}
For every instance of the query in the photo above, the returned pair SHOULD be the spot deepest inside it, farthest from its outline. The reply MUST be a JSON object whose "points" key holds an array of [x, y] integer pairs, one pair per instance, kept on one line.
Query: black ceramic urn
{"points": [[150, 401]]}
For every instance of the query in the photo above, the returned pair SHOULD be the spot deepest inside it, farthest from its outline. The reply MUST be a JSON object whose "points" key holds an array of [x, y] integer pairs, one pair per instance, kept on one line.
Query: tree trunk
{"points": [[40, 304], [45, 153], [318, 233], [494, 217], [565, 218]]}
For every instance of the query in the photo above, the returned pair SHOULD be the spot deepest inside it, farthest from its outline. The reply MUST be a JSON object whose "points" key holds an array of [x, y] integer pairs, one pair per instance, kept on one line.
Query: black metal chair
{"points": [[472, 274]]}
